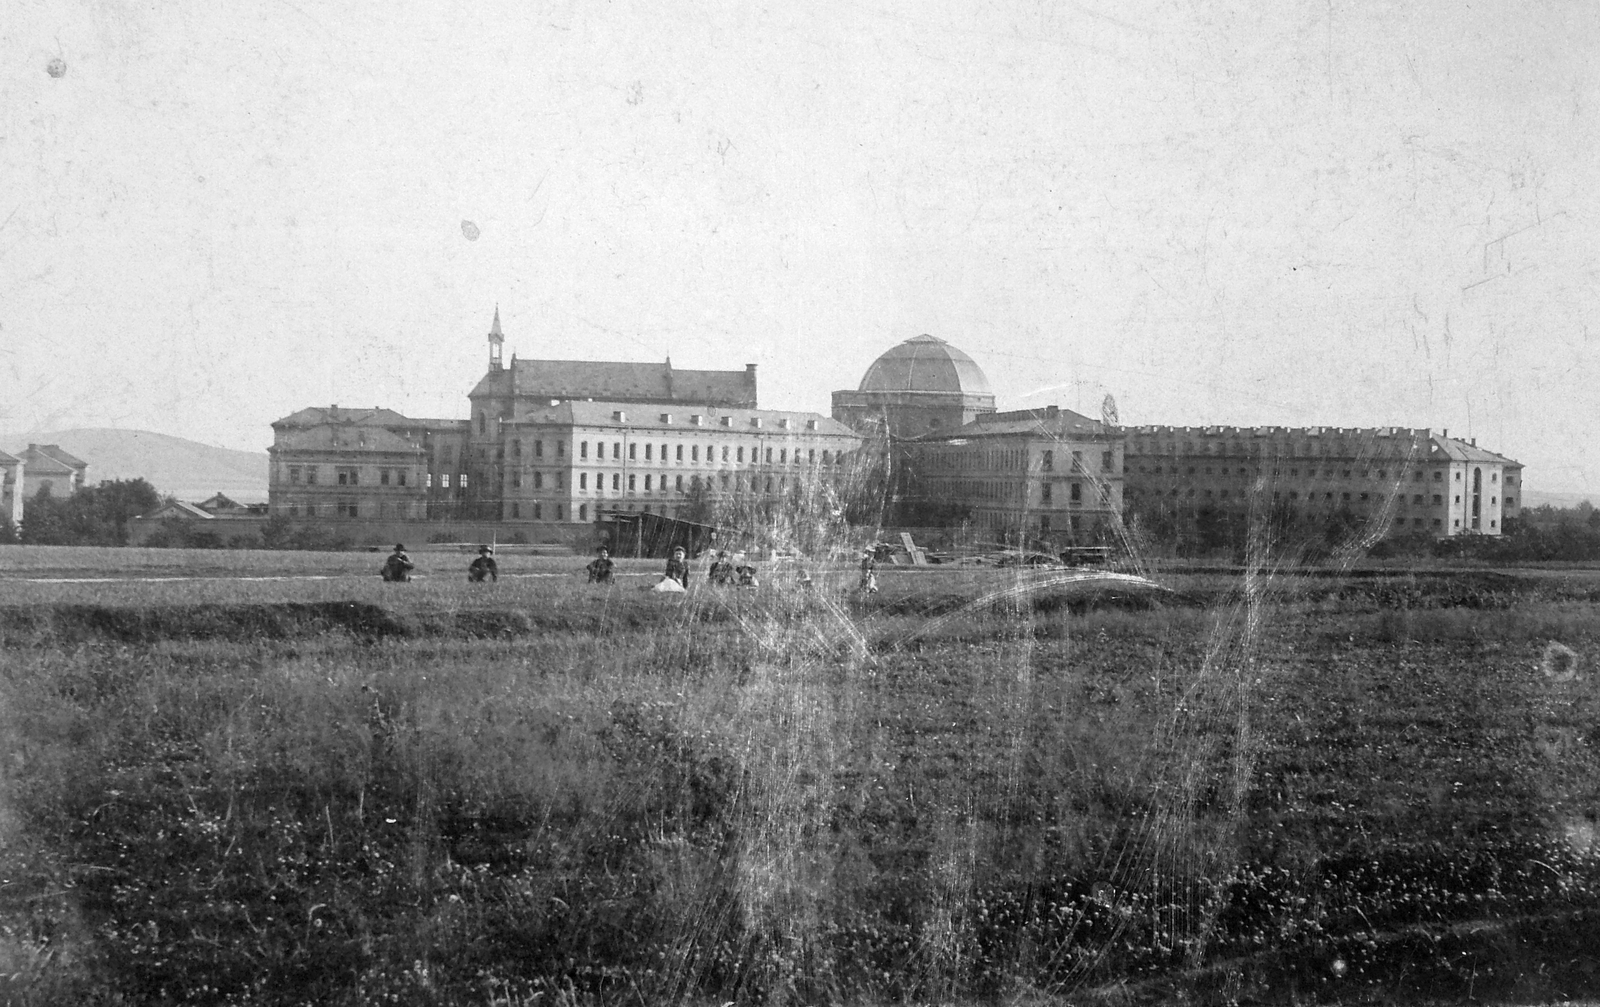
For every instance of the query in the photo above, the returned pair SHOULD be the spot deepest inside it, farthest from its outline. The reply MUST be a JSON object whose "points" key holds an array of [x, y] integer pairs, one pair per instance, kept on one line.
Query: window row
{"points": [[346, 475], [712, 453]]}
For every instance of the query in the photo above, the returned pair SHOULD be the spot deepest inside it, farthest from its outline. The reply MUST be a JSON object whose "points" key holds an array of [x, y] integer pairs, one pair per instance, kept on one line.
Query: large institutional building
{"points": [[560, 442], [1053, 476], [554, 441], [1416, 481]]}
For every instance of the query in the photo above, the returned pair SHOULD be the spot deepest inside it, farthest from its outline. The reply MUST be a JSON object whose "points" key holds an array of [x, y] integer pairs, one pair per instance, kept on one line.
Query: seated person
{"points": [[398, 566], [600, 567], [678, 567], [721, 569], [483, 566]]}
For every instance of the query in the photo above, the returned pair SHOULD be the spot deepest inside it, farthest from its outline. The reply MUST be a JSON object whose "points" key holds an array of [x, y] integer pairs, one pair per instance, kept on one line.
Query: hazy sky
{"points": [[1292, 213]]}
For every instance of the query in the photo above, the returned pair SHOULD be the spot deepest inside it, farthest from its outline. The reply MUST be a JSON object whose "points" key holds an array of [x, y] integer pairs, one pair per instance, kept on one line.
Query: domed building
{"points": [[922, 386]]}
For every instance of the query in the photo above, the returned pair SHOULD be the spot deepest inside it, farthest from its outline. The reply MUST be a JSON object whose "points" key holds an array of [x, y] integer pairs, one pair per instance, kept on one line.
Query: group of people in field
{"points": [[725, 570], [397, 568]]}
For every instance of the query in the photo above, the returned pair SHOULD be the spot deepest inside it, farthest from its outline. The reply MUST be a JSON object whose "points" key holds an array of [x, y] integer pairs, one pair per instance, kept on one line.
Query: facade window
{"points": [[483, 423], [1106, 460], [461, 482], [561, 511], [633, 452], [647, 448], [516, 480], [444, 479], [583, 480], [646, 483], [1417, 499], [345, 508], [616, 449], [538, 511], [1044, 493], [1438, 499], [538, 449], [583, 450], [583, 512], [741, 454], [1456, 523], [1047, 460], [616, 481], [1458, 498], [724, 452], [516, 509], [677, 484], [347, 476], [516, 449], [294, 473], [538, 480], [561, 449], [402, 476], [783, 456], [694, 452], [769, 456], [678, 453], [1075, 494]]}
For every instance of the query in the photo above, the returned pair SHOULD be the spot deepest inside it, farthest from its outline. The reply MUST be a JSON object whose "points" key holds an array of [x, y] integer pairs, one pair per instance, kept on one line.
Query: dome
{"points": [[925, 364]]}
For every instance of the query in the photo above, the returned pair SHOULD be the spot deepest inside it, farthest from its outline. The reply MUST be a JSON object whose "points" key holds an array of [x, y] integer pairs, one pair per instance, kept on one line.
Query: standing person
{"points": [[678, 567], [398, 566], [721, 570], [600, 567], [869, 573], [483, 566]]}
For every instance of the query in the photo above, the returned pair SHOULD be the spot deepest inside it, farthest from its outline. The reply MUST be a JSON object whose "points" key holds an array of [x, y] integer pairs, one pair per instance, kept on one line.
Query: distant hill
{"points": [[186, 469], [1538, 498]]}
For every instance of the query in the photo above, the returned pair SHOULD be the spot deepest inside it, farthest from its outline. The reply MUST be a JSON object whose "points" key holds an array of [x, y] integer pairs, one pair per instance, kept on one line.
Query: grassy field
{"points": [[976, 785]]}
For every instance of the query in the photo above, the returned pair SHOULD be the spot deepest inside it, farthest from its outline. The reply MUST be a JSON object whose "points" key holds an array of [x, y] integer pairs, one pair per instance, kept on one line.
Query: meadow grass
{"points": [[964, 788]]}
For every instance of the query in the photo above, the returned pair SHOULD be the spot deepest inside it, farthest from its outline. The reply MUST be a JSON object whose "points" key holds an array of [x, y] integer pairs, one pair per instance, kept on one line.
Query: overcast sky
{"points": [[1293, 213]]}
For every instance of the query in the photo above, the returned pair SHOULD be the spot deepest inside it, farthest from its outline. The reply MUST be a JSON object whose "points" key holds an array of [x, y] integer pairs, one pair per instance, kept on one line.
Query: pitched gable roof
{"points": [[43, 462], [620, 381], [319, 415]]}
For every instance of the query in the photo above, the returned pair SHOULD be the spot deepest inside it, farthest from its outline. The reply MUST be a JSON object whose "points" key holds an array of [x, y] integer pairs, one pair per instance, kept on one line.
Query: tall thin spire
{"points": [[496, 341]]}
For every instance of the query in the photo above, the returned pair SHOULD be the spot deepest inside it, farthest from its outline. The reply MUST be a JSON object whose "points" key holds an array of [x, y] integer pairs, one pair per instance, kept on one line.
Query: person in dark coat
{"points": [[678, 567], [600, 567], [721, 572], [484, 566], [398, 566], [747, 574]]}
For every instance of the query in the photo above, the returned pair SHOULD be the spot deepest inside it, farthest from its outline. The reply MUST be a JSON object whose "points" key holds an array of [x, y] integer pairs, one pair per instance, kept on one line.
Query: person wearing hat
{"points": [[483, 566], [600, 567], [678, 566], [398, 567]]}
